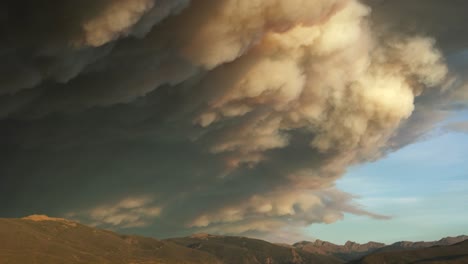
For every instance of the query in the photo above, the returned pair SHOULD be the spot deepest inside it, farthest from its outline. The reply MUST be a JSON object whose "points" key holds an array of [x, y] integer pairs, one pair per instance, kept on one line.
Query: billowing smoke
{"points": [[227, 116]]}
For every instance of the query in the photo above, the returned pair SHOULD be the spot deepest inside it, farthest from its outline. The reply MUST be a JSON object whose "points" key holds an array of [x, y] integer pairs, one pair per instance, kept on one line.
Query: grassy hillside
{"points": [[60, 241]]}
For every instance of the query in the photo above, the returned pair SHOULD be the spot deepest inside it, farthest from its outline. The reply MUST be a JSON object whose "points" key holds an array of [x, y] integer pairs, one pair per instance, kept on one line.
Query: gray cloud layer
{"points": [[223, 116]]}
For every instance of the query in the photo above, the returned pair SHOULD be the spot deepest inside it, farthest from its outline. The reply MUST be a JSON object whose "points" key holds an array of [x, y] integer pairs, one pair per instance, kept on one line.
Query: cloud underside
{"points": [[232, 116]]}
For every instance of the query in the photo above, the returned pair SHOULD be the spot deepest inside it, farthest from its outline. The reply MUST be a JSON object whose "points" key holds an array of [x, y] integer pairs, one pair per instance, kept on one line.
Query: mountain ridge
{"points": [[42, 239], [352, 250], [46, 240], [451, 254]]}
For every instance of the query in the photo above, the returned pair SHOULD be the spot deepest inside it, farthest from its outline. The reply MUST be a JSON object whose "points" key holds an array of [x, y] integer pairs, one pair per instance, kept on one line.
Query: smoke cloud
{"points": [[234, 116]]}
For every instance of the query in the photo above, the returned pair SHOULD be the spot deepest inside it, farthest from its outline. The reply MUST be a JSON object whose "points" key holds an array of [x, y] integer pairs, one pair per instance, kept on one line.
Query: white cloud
{"points": [[127, 213]]}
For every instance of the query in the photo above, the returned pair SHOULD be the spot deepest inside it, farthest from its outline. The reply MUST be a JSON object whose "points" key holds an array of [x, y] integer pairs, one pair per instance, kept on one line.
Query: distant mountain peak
{"points": [[451, 240], [418, 252], [350, 243], [350, 250], [319, 242], [422, 244]]}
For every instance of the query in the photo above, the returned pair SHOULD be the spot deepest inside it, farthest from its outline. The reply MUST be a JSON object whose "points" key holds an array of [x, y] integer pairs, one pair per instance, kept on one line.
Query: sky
{"points": [[422, 186], [282, 120]]}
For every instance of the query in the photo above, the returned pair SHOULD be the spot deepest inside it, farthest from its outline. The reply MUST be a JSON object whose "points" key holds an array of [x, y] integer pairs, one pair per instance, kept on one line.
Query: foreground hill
{"points": [[44, 240], [237, 250], [454, 254]]}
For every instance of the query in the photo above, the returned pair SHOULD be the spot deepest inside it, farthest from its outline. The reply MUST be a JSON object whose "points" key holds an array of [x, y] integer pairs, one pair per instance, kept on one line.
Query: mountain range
{"points": [[41, 239], [351, 250], [452, 254]]}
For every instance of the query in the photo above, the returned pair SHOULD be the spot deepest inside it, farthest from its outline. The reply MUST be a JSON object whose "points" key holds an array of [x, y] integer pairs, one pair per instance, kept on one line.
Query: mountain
{"points": [[45, 240], [352, 251], [408, 245], [346, 252], [454, 254], [237, 250]]}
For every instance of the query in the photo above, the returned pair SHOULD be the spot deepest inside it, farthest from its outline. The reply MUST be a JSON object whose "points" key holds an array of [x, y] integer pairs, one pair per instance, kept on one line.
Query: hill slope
{"points": [[40, 239], [454, 254], [237, 250]]}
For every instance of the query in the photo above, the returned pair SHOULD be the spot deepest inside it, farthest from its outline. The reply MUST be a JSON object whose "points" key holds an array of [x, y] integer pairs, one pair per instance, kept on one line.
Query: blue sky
{"points": [[423, 186]]}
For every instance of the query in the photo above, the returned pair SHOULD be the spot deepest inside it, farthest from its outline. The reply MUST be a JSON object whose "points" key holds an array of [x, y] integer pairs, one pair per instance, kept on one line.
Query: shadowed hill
{"points": [[454, 254], [40, 239], [236, 250]]}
